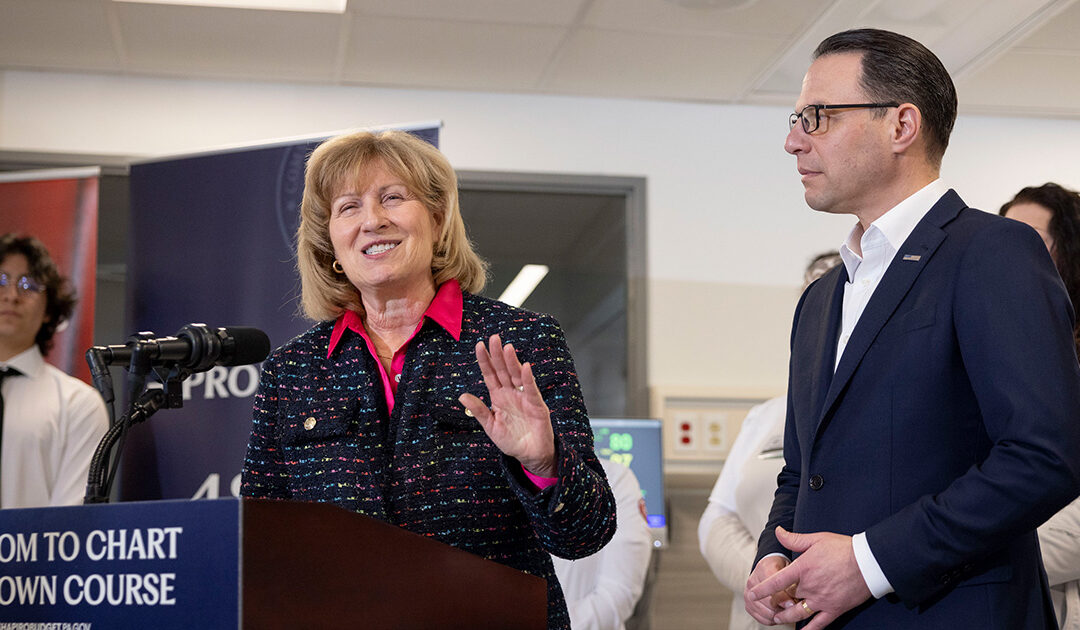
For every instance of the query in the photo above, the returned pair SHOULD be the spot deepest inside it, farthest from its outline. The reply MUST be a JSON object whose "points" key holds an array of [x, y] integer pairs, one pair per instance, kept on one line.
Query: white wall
{"points": [[729, 233]]}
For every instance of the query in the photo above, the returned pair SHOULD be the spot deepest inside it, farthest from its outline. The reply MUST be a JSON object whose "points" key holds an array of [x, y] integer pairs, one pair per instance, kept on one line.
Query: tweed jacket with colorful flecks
{"points": [[427, 467]]}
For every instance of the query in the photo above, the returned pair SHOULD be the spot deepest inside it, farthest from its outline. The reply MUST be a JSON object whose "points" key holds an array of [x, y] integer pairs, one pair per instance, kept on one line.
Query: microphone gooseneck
{"points": [[194, 348]]}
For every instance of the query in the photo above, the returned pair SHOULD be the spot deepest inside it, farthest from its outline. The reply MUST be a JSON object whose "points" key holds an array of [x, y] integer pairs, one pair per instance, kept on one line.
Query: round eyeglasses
{"points": [[23, 284]]}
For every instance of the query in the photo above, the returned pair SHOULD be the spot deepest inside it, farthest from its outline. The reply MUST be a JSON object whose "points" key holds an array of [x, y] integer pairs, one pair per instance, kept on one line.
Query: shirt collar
{"points": [[446, 310], [896, 225], [29, 361]]}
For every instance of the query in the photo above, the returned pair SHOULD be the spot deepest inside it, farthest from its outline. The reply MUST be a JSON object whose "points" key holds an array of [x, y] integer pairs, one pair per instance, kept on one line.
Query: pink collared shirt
{"points": [[446, 309]]}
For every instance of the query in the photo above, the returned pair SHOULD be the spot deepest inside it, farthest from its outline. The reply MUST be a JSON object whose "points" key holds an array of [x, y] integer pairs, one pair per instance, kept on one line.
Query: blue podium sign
{"points": [[163, 564]]}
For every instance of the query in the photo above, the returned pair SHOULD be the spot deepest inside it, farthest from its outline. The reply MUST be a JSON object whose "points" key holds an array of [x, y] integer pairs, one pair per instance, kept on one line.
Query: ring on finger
{"points": [[520, 388], [807, 608]]}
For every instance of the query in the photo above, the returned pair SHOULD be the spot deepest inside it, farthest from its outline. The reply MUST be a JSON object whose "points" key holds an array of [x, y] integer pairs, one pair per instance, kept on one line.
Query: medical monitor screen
{"points": [[636, 444]]}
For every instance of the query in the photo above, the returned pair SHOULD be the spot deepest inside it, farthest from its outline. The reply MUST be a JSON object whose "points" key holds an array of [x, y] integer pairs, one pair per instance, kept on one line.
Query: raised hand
{"points": [[518, 421]]}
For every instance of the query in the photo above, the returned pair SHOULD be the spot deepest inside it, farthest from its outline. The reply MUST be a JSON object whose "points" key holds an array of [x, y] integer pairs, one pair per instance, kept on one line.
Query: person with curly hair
{"points": [[1054, 212], [51, 421]]}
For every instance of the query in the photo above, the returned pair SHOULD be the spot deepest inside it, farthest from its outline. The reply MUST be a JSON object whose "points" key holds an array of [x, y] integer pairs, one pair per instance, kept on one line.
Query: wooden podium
{"points": [[248, 564], [319, 566]]}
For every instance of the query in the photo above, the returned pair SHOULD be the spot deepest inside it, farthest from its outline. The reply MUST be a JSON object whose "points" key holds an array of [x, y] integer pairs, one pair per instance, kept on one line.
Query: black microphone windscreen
{"points": [[250, 345]]}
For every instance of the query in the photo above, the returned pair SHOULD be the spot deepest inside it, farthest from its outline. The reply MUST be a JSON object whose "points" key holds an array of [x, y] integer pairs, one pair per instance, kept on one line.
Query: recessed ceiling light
{"points": [[521, 287], [721, 5], [315, 6]]}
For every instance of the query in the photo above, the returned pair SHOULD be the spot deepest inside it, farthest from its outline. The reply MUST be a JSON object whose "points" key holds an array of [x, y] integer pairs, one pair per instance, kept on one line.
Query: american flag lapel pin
{"points": [[912, 257]]}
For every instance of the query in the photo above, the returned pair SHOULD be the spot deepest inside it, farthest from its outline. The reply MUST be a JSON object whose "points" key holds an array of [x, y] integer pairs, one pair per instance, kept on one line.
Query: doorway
{"points": [[589, 231]]}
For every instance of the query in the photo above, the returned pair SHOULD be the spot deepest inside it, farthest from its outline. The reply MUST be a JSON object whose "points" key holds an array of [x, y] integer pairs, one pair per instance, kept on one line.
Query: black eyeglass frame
{"points": [[23, 284], [799, 115]]}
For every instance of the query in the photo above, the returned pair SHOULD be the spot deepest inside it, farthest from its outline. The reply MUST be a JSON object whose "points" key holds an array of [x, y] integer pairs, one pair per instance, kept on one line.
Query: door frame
{"points": [[632, 190]]}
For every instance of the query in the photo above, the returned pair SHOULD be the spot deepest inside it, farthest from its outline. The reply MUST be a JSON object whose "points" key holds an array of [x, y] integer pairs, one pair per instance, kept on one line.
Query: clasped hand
{"points": [[824, 582], [518, 421]]}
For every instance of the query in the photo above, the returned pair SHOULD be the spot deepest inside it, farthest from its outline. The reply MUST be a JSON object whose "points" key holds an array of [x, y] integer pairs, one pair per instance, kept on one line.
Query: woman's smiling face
{"points": [[383, 236]]}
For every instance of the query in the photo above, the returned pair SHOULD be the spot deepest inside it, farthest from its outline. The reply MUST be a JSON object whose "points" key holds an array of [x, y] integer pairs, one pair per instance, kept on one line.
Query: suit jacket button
{"points": [[816, 481]]}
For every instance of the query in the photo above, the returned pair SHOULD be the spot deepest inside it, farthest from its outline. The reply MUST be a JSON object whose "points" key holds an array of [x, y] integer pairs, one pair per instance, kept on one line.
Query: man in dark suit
{"points": [[934, 392]]}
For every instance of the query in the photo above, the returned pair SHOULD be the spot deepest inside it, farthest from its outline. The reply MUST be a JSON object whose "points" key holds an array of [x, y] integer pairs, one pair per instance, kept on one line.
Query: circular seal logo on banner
{"points": [[290, 191]]}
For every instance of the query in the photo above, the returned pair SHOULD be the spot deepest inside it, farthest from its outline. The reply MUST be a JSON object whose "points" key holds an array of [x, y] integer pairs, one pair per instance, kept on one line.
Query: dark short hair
{"points": [[59, 295], [898, 68], [1064, 207]]}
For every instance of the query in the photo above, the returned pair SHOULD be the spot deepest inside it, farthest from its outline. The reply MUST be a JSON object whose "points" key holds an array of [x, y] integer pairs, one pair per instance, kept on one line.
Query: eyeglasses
{"points": [[23, 284], [811, 114]]}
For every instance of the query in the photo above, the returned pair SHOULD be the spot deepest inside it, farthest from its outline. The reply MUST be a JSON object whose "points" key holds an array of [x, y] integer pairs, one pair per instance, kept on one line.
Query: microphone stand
{"points": [[144, 403], [97, 488], [102, 377], [195, 348]]}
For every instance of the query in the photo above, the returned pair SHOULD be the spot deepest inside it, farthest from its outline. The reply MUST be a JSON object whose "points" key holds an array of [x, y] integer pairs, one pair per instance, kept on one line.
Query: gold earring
{"points": [[337, 267]]}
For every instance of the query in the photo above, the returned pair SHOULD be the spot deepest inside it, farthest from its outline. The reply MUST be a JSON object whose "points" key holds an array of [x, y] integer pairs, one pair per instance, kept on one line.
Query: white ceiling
{"points": [[1007, 56]]}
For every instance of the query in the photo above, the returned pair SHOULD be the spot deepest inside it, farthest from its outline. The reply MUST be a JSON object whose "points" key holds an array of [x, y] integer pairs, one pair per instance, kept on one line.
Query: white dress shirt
{"points": [[52, 424], [877, 246]]}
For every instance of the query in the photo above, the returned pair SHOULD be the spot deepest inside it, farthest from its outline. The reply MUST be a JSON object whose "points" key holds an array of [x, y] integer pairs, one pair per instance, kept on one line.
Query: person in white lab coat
{"points": [[602, 589]]}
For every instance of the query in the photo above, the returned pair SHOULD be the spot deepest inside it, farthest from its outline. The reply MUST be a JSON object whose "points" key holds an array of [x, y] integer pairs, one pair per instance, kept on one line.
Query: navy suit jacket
{"points": [[950, 428]]}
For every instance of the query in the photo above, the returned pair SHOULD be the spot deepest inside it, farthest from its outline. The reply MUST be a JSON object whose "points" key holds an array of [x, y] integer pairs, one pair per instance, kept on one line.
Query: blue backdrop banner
{"points": [[212, 241], [132, 565]]}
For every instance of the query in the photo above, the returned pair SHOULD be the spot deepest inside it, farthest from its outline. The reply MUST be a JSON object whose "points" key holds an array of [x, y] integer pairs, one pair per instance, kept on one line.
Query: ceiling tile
{"points": [[920, 19], [681, 67], [1027, 82], [759, 17], [69, 34], [783, 82], [960, 32], [552, 12], [393, 51], [201, 41], [1060, 33], [1008, 56]]}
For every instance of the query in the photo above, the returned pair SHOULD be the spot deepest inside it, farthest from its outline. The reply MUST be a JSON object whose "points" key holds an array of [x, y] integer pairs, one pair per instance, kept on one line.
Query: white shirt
{"points": [[879, 244], [740, 502], [602, 589], [52, 424]]}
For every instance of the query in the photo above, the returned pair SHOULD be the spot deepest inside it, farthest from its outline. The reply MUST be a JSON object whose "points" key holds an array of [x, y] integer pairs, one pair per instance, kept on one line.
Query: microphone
{"points": [[195, 347]]}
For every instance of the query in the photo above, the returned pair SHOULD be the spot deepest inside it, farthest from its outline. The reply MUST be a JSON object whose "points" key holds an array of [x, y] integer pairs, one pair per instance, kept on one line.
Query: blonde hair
{"points": [[424, 171]]}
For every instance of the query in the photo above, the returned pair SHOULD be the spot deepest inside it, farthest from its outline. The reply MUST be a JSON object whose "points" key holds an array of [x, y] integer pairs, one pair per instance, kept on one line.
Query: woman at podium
{"points": [[413, 399]]}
